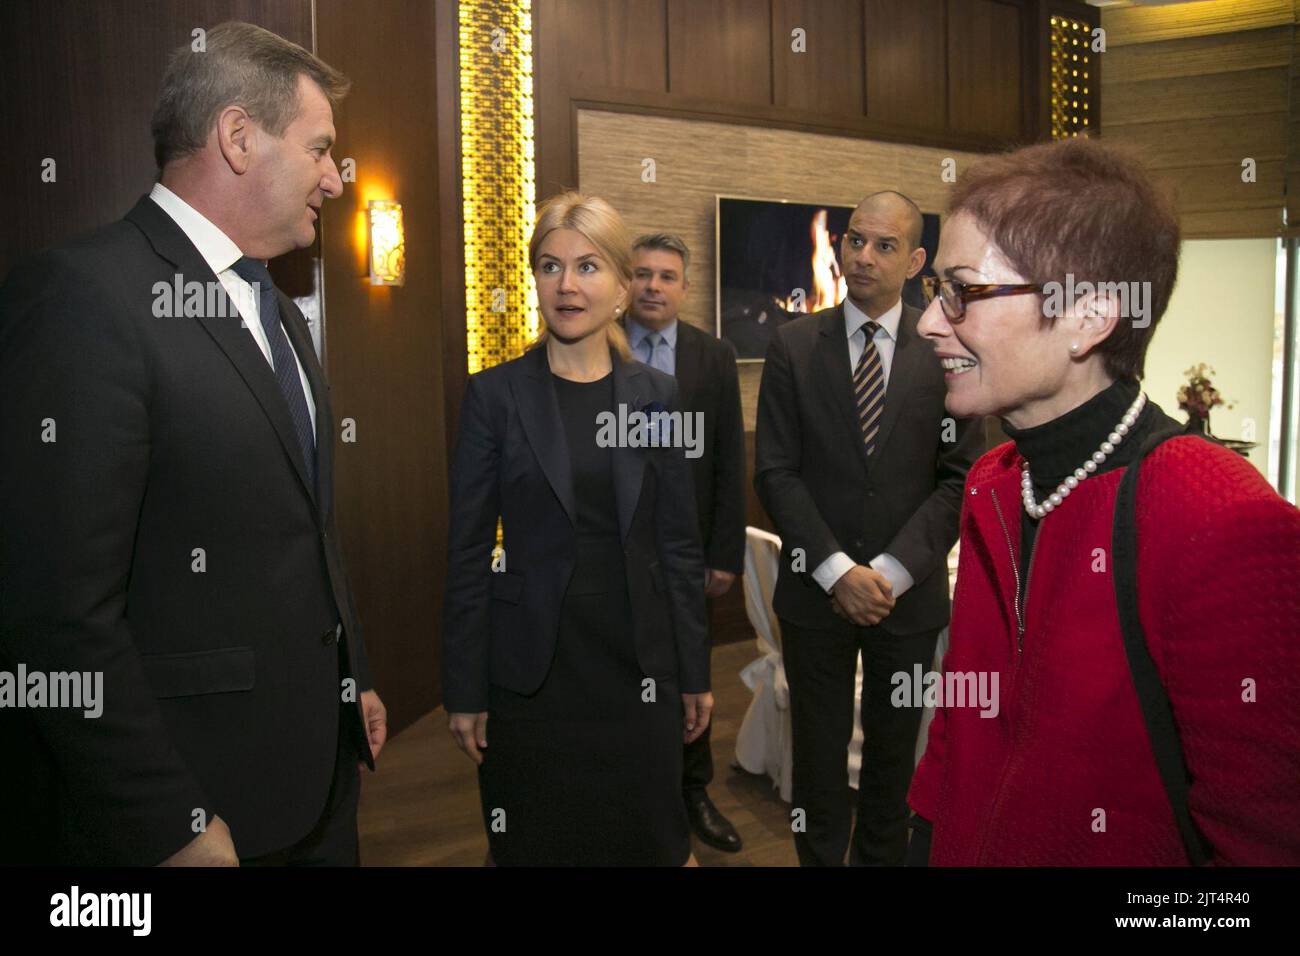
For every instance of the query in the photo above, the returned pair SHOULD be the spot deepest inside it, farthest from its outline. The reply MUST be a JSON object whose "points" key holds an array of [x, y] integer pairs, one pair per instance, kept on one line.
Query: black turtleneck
{"points": [[1054, 449]]}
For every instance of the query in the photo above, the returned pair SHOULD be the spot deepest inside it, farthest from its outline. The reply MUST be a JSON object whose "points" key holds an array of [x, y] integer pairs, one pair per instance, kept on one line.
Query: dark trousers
{"points": [[697, 763], [820, 666], [697, 756]]}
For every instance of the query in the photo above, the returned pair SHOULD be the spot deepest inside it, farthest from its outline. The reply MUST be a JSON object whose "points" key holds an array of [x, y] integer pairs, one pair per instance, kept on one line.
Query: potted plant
{"points": [[1197, 397]]}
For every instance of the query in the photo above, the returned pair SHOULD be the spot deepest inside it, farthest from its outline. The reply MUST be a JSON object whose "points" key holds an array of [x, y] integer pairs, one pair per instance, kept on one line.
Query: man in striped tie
{"points": [[861, 469]]}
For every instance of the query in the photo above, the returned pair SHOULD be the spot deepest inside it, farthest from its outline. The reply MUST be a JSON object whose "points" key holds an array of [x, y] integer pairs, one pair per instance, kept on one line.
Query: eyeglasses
{"points": [[954, 295]]}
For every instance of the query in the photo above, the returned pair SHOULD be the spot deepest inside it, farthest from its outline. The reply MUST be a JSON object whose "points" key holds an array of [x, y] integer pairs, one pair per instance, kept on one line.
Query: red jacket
{"points": [[1219, 597]]}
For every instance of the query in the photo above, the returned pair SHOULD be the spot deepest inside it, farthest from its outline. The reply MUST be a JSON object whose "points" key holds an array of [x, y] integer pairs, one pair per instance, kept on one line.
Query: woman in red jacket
{"points": [[1055, 264]]}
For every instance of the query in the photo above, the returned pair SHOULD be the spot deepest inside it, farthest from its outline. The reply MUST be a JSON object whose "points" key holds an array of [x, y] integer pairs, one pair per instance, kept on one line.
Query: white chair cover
{"points": [[764, 742]]}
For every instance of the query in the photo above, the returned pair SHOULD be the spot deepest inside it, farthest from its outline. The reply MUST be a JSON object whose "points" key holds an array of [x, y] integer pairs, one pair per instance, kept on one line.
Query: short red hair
{"points": [[1078, 207]]}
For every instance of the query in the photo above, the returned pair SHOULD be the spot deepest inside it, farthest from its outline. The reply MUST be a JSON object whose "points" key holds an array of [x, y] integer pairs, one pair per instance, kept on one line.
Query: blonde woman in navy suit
{"points": [[572, 676]]}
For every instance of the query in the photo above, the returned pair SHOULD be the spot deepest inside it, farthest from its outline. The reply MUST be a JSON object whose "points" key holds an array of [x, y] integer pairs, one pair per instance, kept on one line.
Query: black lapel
{"points": [[539, 411], [631, 391], [295, 327], [687, 365], [170, 242], [837, 377], [910, 354]]}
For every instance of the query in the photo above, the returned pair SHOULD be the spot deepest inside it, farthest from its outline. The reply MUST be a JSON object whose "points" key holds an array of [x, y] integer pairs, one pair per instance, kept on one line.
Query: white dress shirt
{"points": [[886, 337], [221, 253]]}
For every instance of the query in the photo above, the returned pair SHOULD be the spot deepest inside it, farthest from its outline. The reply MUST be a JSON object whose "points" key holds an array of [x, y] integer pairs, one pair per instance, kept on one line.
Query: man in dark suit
{"points": [[166, 495], [706, 374], [861, 470]]}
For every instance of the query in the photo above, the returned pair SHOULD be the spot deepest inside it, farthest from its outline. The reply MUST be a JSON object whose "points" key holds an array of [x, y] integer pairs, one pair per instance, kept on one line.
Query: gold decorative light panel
{"points": [[1073, 68], [497, 176]]}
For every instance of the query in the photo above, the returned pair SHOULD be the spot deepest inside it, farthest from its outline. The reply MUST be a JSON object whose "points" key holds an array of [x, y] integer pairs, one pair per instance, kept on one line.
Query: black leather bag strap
{"points": [[1156, 710]]}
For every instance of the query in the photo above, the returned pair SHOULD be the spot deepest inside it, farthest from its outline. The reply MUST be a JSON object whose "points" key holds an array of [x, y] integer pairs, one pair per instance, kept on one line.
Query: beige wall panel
{"points": [[1195, 97], [695, 161], [1227, 141], [1232, 224], [1151, 24], [1220, 188], [1195, 56]]}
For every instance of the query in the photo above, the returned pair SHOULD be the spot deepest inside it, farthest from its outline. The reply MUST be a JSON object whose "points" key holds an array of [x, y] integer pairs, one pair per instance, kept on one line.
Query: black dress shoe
{"points": [[710, 825]]}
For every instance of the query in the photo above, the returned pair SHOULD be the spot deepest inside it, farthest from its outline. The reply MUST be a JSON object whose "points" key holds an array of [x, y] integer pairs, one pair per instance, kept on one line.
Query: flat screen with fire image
{"points": [[778, 260]]}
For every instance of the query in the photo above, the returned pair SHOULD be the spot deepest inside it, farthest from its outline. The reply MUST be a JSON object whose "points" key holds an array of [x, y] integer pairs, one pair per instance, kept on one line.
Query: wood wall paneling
{"points": [[874, 69], [1149, 24], [1206, 141], [985, 90], [721, 50], [582, 45], [385, 346], [905, 43], [1197, 97], [1220, 188], [1195, 89], [827, 77], [451, 222], [81, 80], [1232, 224], [1195, 56], [608, 44], [553, 138]]}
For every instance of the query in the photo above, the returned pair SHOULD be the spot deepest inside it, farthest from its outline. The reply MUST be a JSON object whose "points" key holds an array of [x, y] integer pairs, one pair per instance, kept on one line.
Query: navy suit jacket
{"points": [[512, 462]]}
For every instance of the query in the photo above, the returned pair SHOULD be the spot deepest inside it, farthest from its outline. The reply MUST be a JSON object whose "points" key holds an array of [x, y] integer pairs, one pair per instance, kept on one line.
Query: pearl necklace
{"points": [[1053, 501]]}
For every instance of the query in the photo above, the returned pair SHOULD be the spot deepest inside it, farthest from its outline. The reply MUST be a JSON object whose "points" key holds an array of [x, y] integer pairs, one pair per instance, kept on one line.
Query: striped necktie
{"points": [[869, 387], [256, 274]]}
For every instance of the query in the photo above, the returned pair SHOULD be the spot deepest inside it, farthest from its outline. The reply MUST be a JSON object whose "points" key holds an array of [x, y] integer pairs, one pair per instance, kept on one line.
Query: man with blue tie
{"points": [[167, 499], [861, 470], [709, 383]]}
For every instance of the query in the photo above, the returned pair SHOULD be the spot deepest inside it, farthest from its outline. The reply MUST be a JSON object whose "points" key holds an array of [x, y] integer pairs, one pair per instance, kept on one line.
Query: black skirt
{"points": [[587, 771]]}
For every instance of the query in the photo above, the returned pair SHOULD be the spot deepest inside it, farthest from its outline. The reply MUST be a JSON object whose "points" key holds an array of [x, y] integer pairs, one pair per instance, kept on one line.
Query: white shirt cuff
{"points": [[894, 573], [832, 569]]}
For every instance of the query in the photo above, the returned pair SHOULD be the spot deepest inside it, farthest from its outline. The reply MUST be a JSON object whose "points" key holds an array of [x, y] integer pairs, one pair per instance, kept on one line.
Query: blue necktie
{"points": [[286, 368], [655, 356]]}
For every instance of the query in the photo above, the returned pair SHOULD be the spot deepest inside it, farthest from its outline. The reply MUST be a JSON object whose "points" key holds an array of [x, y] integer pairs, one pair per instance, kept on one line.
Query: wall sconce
{"points": [[387, 238]]}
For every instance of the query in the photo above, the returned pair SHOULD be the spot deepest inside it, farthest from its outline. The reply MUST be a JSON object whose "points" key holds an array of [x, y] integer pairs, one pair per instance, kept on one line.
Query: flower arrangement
{"points": [[1199, 395]]}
